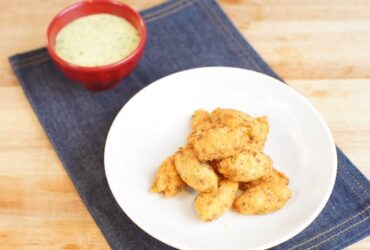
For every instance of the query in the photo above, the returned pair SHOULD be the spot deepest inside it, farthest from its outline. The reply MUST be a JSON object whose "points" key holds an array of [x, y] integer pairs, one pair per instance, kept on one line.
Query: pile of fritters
{"points": [[224, 154]]}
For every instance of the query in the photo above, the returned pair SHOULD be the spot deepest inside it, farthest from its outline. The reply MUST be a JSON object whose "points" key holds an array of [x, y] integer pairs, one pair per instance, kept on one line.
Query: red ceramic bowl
{"points": [[101, 77]]}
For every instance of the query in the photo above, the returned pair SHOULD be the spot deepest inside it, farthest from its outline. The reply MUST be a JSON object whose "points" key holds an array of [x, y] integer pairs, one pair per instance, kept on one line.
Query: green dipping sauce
{"points": [[96, 40]]}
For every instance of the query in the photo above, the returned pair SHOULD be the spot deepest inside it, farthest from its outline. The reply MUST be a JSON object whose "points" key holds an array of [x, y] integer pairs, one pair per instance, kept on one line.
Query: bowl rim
{"points": [[123, 61]]}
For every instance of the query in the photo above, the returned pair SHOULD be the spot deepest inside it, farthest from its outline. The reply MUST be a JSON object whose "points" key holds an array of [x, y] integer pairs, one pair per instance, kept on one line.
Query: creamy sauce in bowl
{"points": [[96, 40]]}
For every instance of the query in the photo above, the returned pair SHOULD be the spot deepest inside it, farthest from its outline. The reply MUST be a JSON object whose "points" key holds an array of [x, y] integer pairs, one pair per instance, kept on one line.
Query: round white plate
{"points": [[155, 123]]}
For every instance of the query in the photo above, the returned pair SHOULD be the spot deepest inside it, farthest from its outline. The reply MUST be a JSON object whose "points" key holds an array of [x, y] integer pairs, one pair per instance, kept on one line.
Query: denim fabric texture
{"points": [[181, 35]]}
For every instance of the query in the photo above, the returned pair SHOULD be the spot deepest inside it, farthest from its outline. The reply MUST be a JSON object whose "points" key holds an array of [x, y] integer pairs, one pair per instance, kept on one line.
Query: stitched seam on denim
{"points": [[164, 9], [358, 183], [186, 4], [340, 232], [221, 28], [33, 57], [331, 229], [35, 62], [350, 186], [241, 47], [230, 35]]}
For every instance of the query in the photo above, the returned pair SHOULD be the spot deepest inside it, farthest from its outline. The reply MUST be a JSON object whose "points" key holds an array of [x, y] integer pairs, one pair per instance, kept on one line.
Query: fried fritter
{"points": [[272, 175], [258, 134], [257, 127], [245, 166], [218, 143], [200, 117], [276, 175], [231, 118], [167, 180], [264, 196], [198, 132], [198, 175], [210, 206], [200, 122]]}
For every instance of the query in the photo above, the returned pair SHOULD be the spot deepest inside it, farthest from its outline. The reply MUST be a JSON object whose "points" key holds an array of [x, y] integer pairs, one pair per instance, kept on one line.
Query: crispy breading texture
{"points": [[263, 197], [198, 132], [210, 206], [200, 117], [231, 118], [258, 134], [245, 166], [257, 128], [167, 180], [200, 122], [198, 175], [218, 143], [274, 175]]}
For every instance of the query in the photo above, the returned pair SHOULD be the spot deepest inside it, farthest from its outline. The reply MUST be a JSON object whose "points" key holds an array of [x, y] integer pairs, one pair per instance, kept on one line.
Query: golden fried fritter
{"points": [[274, 175], [210, 206], [167, 180], [198, 175], [245, 166], [231, 118], [258, 134], [257, 128], [198, 132], [200, 122], [218, 143], [200, 117], [264, 196]]}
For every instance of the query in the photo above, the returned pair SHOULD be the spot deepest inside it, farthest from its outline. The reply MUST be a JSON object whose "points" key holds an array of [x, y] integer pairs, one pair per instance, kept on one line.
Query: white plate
{"points": [[156, 121]]}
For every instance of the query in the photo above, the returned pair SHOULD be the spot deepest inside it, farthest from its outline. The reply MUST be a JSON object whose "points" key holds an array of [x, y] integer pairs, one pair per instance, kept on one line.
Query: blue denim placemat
{"points": [[181, 35]]}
